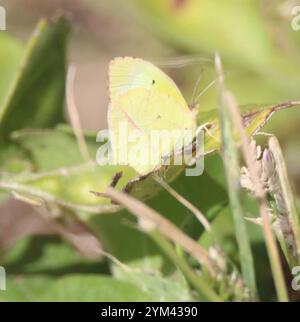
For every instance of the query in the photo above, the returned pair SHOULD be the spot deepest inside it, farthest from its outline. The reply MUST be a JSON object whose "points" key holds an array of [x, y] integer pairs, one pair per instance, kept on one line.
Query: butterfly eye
{"points": [[153, 82]]}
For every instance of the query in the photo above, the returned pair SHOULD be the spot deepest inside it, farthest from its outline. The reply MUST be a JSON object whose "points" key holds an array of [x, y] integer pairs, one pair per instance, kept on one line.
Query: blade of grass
{"points": [[232, 169], [260, 194], [73, 113], [286, 189]]}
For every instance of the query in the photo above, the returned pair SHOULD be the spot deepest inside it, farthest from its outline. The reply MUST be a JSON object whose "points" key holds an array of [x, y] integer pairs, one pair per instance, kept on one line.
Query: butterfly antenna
{"points": [[211, 84], [73, 113], [195, 89], [183, 61]]}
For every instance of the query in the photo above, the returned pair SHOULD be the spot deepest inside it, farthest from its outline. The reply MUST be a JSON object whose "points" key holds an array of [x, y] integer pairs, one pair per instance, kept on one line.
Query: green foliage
{"points": [[72, 288], [41, 163], [36, 96], [10, 57]]}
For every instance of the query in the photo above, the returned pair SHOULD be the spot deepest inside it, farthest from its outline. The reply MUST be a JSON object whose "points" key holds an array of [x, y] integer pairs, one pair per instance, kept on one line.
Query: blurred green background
{"points": [[260, 50]]}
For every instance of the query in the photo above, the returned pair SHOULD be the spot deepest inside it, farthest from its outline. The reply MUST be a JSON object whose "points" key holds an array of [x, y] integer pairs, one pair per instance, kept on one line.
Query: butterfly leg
{"points": [[113, 184], [206, 127], [116, 178]]}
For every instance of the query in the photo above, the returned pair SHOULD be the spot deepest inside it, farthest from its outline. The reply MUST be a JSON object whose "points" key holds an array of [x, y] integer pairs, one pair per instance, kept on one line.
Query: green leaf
{"points": [[93, 288], [61, 177], [36, 96], [14, 160], [48, 255], [131, 246], [158, 287], [47, 148], [75, 287], [46, 268], [10, 56], [21, 289]]}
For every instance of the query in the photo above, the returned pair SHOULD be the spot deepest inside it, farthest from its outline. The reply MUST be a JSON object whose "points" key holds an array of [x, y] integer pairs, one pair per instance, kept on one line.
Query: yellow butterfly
{"points": [[143, 99]]}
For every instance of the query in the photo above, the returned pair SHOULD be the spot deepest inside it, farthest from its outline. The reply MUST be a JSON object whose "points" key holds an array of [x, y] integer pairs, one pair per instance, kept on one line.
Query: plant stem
{"points": [[200, 285], [232, 169]]}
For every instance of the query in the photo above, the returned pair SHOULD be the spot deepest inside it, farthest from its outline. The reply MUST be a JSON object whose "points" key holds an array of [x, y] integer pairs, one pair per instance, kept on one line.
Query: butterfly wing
{"points": [[126, 73], [147, 102]]}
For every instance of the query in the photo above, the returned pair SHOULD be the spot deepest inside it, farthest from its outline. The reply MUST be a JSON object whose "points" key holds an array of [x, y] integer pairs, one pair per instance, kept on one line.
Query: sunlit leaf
{"points": [[36, 97]]}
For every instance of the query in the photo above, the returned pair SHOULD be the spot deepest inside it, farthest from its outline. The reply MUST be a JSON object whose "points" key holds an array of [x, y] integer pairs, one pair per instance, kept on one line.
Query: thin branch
{"points": [[198, 214], [73, 113]]}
